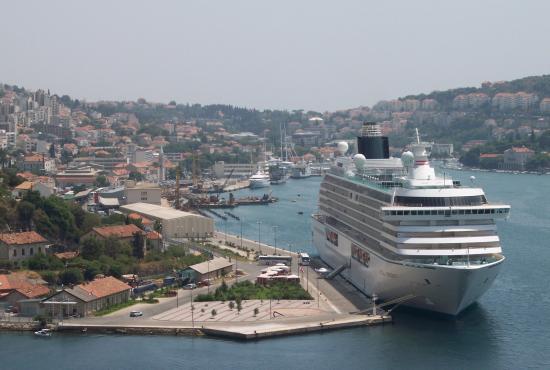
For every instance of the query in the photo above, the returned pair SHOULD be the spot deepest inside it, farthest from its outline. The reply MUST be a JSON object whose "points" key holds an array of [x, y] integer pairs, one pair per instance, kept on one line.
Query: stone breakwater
{"points": [[19, 326]]}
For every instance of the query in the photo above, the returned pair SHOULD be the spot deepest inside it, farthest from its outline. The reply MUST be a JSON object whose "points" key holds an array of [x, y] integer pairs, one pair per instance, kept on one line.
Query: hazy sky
{"points": [[310, 54]]}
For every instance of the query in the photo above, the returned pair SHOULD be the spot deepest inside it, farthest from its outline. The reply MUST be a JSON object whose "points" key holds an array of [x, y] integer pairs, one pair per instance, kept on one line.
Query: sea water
{"points": [[509, 328]]}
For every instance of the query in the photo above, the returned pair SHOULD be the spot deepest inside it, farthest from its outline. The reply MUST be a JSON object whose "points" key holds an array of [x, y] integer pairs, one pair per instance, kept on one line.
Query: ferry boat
{"points": [[395, 229], [259, 180]]}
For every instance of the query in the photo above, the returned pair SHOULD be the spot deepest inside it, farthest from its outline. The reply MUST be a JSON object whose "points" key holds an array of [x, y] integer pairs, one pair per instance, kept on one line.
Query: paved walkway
{"points": [[266, 310]]}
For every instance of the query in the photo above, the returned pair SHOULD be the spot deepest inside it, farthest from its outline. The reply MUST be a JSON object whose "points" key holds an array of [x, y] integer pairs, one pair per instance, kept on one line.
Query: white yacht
{"points": [[259, 180], [394, 229]]}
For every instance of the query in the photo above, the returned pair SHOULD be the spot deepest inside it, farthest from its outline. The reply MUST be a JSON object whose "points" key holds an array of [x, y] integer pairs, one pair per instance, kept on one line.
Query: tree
{"points": [[136, 176], [92, 248], [44, 226], [101, 181], [25, 211], [471, 158], [138, 245], [50, 277], [114, 247], [92, 270], [71, 276], [157, 226]]}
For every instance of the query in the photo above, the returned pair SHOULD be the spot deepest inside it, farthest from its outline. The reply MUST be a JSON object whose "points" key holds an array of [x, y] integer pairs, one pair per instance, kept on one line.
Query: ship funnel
{"points": [[371, 143]]}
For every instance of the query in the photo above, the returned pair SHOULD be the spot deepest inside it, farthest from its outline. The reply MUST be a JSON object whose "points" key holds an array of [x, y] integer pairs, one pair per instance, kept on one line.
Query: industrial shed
{"points": [[175, 224]]}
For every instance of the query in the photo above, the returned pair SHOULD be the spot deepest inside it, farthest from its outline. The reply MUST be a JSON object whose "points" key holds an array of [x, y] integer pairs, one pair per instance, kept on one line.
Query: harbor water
{"points": [[509, 328]]}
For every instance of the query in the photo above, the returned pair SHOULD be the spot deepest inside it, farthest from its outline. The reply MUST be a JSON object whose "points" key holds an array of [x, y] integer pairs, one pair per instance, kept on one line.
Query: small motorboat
{"points": [[43, 333], [300, 212]]}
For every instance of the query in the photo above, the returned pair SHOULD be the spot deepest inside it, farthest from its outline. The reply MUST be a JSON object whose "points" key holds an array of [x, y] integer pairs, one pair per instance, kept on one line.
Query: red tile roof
{"points": [[521, 150], [12, 282], [66, 255], [33, 291], [104, 287], [22, 238], [153, 235], [121, 231], [136, 216], [490, 155]]}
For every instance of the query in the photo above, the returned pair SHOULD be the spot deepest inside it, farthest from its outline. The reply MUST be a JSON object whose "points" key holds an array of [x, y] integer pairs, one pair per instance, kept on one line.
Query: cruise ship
{"points": [[395, 229]]}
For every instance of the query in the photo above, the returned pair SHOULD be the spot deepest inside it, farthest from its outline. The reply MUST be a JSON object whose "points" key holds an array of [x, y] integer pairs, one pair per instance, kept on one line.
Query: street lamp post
{"points": [[208, 281], [259, 235], [318, 293], [192, 317], [275, 238], [290, 254], [225, 225], [237, 257]]}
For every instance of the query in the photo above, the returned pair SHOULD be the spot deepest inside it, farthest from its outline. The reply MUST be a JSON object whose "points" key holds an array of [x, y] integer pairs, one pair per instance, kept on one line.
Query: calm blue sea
{"points": [[508, 329]]}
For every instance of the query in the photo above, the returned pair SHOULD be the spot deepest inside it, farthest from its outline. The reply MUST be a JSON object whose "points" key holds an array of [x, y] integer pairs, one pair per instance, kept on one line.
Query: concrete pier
{"points": [[333, 306]]}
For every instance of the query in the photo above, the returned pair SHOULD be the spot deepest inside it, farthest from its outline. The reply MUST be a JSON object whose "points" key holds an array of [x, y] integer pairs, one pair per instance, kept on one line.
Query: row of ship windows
{"points": [[447, 212]]}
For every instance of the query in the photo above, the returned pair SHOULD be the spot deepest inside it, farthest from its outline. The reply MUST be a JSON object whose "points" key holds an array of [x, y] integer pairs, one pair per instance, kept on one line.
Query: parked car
{"points": [[136, 313], [205, 282], [190, 286], [11, 309]]}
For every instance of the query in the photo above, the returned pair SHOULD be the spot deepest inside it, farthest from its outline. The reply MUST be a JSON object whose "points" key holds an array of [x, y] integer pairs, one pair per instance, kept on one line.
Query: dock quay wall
{"points": [[19, 326], [231, 333]]}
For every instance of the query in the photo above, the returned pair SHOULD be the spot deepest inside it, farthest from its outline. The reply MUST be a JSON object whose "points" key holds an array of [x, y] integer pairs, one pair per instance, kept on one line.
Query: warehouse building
{"points": [[175, 224], [207, 271]]}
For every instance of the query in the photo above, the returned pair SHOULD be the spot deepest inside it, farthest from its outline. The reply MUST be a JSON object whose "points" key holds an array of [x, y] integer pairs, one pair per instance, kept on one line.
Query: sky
{"points": [[285, 54]]}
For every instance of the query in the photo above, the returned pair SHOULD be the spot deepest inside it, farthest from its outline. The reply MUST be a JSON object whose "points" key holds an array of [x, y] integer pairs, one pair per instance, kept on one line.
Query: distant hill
{"points": [[539, 85]]}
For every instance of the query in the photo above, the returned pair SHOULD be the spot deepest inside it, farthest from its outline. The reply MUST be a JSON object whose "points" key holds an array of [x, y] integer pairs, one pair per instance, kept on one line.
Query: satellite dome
{"points": [[342, 147], [407, 158], [359, 160]]}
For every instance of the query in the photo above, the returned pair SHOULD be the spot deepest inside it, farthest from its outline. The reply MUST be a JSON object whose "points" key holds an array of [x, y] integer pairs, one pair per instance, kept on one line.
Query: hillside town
{"points": [[94, 194]]}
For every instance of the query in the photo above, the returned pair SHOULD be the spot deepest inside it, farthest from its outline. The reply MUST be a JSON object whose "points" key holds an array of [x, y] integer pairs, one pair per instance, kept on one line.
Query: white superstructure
{"points": [[396, 229], [259, 180]]}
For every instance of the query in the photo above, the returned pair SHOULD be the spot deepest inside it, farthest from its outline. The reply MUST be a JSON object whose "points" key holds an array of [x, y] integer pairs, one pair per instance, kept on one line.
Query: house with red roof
{"points": [[123, 233], [515, 158], [22, 245], [15, 288], [84, 299]]}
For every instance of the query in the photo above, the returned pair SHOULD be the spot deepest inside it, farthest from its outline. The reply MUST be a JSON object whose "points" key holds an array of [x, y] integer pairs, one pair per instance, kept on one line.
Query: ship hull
{"points": [[444, 289], [256, 184]]}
